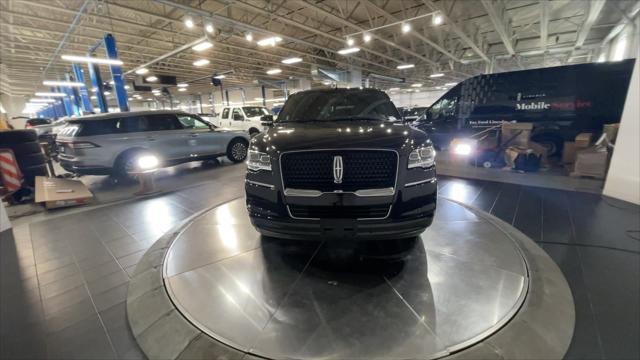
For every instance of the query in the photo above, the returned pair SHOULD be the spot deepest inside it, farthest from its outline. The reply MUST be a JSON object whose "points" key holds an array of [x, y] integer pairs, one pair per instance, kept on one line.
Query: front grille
{"points": [[339, 212], [363, 169]]}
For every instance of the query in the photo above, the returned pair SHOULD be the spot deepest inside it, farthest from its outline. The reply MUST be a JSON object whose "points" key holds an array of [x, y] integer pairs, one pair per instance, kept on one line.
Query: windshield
{"points": [[338, 105], [416, 111], [255, 111]]}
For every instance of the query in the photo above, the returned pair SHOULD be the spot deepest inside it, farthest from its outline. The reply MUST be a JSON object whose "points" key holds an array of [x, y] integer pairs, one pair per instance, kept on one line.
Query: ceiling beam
{"points": [[496, 13], [457, 30], [544, 23], [594, 7]]}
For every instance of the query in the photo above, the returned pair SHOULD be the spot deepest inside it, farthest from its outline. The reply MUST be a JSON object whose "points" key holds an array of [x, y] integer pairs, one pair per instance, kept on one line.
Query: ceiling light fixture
{"points": [[348, 51], [56, 94], [62, 83], [182, 89], [209, 28], [188, 22], [183, 85], [437, 19], [142, 71], [270, 41], [450, 84], [248, 37], [416, 85], [151, 78], [92, 60], [366, 37], [202, 46], [39, 100], [436, 75], [274, 71], [405, 66], [350, 41], [201, 62], [219, 77], [107, 93], [127, 87], [406, 27], [394, 89], [292, 60]]}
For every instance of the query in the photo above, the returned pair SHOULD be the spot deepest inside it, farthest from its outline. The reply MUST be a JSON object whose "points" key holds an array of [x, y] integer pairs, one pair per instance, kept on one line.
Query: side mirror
{"points": [[267, 120]]}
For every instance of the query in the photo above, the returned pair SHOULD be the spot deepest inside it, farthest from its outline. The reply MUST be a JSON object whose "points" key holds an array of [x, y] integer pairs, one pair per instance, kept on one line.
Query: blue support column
{"points": [[66, 103], [84, 92], [96, 82], [116, 73], [74, 96]]}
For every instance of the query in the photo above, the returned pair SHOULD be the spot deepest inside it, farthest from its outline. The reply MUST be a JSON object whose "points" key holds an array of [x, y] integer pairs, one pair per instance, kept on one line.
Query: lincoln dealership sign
{"points": [[540, 105]]}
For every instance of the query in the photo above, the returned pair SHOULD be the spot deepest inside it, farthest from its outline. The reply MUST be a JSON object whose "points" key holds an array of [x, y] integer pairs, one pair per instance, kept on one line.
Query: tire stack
{"points": [[26, 149]]}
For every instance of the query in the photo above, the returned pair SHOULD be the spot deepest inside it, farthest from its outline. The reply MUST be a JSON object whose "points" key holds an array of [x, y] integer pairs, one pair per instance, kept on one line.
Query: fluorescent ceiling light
{"points": [[436, 75], [292, 60], [202, 46], [209, 28], [437, 19], [57, 94], [93, 97], [366, 37], [248, 37], [416, 85], [405, 66], [92, 60], [450, 84], [149, 99], [219, 77], [142, 71], [127, 87], [350, 41], [183, 85], [107, 93], [394, 89], [152, 78], [62, 83], [258, 99], [36, 100], [406, 27], [274, 71], [347, 51], [201, 62], [269, 41], [182, 89]]}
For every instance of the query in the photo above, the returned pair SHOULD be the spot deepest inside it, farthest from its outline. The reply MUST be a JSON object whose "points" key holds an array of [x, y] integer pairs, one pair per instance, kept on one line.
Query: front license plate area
{"points": [[339, 228]]}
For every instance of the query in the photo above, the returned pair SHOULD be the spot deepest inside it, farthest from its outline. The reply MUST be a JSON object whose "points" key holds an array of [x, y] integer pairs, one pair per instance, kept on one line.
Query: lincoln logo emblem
{"points": [[338, 169]]}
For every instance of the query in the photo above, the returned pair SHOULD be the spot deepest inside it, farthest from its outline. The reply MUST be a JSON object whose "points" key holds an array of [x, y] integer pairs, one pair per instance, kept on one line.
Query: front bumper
{"points": [[411, 210], [77, 167]]}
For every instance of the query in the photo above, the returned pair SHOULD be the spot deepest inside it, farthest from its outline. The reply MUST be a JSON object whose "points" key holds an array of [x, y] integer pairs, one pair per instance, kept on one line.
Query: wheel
{"points": [[17, 137], [552, 143], [253, 132], [237, 150], [487, 164], [125, 164], [25, 161], [25, 148]]}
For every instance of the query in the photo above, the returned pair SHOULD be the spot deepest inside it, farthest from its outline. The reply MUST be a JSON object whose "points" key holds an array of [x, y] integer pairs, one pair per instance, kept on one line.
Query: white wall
{"points": [[411, 99], [623, 179]]}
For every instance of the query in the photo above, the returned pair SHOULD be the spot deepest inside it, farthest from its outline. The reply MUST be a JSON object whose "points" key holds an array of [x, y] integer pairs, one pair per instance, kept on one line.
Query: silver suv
{"points": [[112, 143]]}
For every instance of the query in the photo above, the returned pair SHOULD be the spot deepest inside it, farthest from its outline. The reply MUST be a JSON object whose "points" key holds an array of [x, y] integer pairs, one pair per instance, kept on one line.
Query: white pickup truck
{"points": [[247, 118]]}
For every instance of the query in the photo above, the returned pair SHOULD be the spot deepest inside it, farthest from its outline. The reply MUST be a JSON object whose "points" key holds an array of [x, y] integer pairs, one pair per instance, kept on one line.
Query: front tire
{"points": [[237, 150]]}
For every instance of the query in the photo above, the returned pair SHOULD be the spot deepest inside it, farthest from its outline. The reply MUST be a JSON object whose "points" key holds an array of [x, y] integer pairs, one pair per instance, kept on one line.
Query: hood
{"points": [[335, 135]]}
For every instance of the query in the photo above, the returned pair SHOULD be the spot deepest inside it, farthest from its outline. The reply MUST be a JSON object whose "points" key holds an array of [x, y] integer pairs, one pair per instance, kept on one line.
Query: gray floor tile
{"points": [[60, 286], [66, 299], [111, 297], [115, 320], [131, 259], [108, 282], [57, 274], [86, 339], [102, 270], [70, 315]]}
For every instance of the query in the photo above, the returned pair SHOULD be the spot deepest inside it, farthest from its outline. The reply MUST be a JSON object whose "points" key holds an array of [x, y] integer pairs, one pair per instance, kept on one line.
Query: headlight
{"points": [[258, 161], [423, 157]]}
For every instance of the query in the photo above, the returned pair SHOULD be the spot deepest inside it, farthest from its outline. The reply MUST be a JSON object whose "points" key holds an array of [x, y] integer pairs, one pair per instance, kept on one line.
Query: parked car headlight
{"points": [[258, 161], [422, 157]]}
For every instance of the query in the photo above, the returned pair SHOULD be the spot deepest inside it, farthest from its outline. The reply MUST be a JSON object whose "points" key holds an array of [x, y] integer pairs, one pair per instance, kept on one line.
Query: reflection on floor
{"points": [[63, 281]]}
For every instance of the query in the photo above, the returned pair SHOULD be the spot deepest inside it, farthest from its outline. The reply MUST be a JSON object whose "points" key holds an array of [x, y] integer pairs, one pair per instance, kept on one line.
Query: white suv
{"points": [[111, 143], [246, 118]]}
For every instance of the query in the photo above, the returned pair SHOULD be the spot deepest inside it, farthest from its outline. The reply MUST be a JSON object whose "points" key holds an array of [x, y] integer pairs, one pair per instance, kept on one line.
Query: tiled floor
{"points": [[63, 281]]}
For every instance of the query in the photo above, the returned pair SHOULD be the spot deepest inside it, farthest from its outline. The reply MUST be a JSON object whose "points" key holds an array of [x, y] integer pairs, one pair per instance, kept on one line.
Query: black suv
{"points": [[340, 163]]}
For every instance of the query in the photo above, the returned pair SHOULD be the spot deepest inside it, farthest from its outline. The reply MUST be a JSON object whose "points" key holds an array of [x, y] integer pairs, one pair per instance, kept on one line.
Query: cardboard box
{"points": [[518, 133], [583, 140], [56, 193], [591, 162], [569, 152], [611, 130]]}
